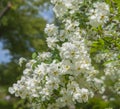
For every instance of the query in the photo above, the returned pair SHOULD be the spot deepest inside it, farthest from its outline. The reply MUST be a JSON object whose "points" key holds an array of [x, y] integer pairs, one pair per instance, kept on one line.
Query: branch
{"points": [[9, 5]]}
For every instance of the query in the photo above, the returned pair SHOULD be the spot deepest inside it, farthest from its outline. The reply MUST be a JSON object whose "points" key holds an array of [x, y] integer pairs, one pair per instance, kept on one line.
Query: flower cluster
{"points": [[63, 7], [66, 75], [99, 14]]}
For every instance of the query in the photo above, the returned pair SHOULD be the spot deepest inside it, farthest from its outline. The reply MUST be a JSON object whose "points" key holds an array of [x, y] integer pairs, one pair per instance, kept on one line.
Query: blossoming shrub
{"points": [[83, 60]]}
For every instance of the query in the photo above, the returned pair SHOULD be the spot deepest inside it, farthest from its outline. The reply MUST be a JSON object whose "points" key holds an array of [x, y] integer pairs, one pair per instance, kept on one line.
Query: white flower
{"points": [[53, 1], [45, 94], [53, 106], [51, 30], [84, 94], [40, 70], [21, 60], [68, 51], [53, 69], [66, 67], [70, 25], [73, 5], [27, 71], [52, 83], [81, 95], [64, 101], [99, 15], [30, 63], [62, 35], [11, 90], [51, 42], [60, 9], [102, 6], [44, 56]]}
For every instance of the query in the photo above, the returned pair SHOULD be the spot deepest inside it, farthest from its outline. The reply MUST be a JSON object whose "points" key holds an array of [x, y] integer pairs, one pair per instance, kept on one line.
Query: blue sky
{"points": [[47, 14], [4, 54]]}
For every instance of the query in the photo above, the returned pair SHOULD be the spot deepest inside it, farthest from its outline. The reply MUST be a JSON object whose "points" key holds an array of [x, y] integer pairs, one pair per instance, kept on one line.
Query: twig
{"points": [[9, 5]]}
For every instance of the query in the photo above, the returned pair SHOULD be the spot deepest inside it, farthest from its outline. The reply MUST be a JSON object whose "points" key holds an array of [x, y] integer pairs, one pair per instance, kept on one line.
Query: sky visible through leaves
{"points": [[5, 55]]}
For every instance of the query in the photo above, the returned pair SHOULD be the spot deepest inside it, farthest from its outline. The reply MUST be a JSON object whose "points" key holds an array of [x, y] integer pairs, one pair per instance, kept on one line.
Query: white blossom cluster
{"points": [[66, 77], [63, 7], [99, 14]]}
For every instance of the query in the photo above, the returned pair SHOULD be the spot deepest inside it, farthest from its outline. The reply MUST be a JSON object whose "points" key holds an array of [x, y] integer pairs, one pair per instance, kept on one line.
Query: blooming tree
{"points": [[84, 54]]}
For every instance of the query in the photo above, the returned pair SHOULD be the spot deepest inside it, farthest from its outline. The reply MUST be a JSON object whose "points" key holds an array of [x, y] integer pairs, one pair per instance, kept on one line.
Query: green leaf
{"points": [[34, 55]]}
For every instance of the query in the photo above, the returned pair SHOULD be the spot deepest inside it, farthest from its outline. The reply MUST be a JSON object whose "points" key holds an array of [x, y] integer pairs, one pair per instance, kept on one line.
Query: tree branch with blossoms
{"points": [[79, 63]]}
